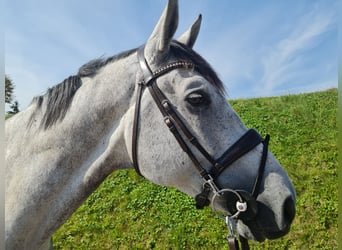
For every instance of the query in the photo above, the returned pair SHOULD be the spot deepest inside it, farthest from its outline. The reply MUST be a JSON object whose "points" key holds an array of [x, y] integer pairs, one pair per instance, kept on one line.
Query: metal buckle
{"points": [[211, 183]]}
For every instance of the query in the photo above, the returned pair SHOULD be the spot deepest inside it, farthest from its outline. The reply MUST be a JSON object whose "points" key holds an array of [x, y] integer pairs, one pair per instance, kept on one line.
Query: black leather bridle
{"points": [[240, 204]]}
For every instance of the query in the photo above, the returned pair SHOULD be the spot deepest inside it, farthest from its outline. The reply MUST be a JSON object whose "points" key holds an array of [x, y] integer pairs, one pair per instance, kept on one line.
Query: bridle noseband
{"points": [[240, 204]]}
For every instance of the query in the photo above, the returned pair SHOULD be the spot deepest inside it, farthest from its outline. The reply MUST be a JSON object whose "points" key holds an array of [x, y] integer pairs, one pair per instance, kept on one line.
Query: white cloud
{"points": [[236, 46], [284, 61], [273, 47]]}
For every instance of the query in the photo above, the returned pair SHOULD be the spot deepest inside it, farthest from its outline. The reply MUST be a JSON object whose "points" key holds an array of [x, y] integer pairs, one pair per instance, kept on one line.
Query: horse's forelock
{"points": [[183, 52]]}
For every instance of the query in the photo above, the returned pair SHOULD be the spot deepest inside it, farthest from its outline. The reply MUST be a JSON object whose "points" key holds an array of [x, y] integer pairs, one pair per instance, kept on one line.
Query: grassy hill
{"points": [[127, 212]]}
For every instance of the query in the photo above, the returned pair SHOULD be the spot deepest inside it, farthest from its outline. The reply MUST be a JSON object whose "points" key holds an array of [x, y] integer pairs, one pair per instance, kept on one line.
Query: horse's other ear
{"points": [[157, 46], [190, 36]]}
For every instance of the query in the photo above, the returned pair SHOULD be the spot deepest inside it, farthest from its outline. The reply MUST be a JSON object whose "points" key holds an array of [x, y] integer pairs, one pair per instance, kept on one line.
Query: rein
{"points": [[241, 204]]}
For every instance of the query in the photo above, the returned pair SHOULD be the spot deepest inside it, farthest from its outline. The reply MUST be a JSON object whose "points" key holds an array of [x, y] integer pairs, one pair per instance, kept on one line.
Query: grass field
{"points": [[127, 212]]}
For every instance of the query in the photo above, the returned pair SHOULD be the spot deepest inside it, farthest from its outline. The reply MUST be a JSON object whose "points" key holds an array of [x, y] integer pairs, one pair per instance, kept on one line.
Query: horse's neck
{"points": [[62, 165], [104, 104], [97, 113]]}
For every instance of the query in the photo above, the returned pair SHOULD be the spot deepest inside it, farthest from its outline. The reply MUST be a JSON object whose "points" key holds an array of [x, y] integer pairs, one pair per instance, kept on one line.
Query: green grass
{"points": [[127, 212], [7, 116]]}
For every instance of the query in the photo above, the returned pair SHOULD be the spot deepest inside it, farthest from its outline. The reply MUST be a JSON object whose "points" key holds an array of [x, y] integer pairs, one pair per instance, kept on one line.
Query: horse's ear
{"points": [[157, 46], [190, 36]]}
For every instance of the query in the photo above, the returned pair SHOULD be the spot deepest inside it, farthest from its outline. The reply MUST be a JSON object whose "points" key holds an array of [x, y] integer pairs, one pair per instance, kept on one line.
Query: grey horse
{"points": [[67, 141]]}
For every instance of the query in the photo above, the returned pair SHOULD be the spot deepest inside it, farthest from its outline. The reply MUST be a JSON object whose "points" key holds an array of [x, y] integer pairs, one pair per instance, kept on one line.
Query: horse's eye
{"points": [[197, 99]]}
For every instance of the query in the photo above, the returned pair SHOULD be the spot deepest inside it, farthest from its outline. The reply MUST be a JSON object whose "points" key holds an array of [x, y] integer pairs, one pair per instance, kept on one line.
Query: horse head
{"points": [[188, 136]]}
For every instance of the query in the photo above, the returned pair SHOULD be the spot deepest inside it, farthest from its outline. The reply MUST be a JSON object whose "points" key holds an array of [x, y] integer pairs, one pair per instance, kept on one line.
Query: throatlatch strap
{"points": [[136, 128]]}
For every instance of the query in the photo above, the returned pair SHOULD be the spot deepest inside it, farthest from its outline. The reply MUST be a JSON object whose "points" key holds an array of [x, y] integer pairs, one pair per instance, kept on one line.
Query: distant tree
{"points": [[14, 108], [9, 88]]}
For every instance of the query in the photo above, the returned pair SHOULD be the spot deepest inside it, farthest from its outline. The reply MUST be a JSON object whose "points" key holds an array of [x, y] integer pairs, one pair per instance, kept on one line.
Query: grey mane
{"points": [[92, 67], [57, 100]]}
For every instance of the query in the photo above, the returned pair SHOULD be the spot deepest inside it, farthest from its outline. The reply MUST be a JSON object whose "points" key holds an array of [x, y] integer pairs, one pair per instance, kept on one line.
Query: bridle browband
{"points": [[241, 205]]}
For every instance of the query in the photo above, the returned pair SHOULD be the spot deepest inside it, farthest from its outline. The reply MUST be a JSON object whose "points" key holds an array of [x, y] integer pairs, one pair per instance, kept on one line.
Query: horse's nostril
{"points": [[289, 210]]}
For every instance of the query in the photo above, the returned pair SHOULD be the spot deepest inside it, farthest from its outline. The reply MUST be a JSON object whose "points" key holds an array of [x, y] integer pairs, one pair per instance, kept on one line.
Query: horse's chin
{"points": [[255, 232], [278, 234], [251, 232]]}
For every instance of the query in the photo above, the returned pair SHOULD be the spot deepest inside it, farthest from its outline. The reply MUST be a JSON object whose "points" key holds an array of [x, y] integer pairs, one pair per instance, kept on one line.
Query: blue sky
{"points": [[258, 48]]}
